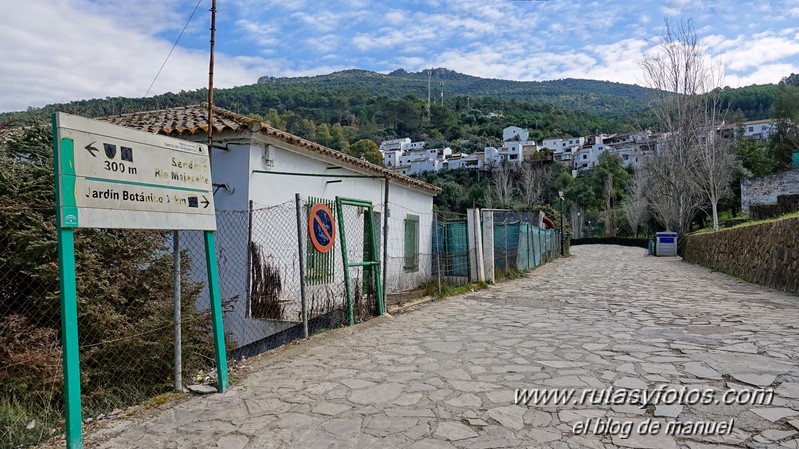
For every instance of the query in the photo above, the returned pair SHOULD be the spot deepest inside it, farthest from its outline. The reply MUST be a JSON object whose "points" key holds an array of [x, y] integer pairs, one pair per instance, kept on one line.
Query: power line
{"points": [[173, 46]]}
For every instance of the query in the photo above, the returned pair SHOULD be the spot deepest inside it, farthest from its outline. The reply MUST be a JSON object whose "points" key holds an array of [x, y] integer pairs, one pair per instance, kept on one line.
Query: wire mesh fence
{"points": [[275, 286], [519, 242], [451, 255], [125, 318]]}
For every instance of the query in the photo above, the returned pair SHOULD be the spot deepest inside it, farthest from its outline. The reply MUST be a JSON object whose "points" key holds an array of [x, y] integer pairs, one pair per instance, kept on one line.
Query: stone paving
{"points": [[445, 375]]}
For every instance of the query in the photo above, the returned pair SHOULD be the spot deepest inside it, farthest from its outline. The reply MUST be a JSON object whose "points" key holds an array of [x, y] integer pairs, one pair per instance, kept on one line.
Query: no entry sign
{"points": [[321, 227]]}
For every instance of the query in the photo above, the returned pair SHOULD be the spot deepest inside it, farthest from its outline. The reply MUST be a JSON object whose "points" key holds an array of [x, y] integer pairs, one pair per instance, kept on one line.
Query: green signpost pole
{"points": [[65, 178], [69, 337], [185, 204], [216, 312]]}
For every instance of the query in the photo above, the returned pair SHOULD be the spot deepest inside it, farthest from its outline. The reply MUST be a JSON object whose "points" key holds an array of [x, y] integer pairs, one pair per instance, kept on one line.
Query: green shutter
{"points": [[411, 243]]}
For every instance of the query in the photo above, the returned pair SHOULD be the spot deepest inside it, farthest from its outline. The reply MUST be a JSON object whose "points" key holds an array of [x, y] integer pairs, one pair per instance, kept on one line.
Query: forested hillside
{"points": [[614, 100], [343, 107]]}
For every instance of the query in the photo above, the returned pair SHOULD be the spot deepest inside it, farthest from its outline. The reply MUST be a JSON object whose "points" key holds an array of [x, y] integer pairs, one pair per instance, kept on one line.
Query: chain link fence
{"points": [[125, 320], [275, 288], [519, 243], [451, 255]]}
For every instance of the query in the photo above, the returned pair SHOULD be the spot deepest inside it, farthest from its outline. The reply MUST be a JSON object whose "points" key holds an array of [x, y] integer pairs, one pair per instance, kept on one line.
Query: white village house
{"points": [[255, 165]]}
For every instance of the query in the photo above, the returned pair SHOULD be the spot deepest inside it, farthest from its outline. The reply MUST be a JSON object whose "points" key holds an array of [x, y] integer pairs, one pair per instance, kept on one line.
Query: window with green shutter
{"points": [[411, 243], [319, 267]]}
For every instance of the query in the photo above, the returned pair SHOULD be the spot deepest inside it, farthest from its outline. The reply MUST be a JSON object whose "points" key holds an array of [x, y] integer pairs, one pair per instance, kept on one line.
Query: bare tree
{"points": [[531, 184], [635, 205], [502, 184], [681, 75], [609, 212], [716, 167]]}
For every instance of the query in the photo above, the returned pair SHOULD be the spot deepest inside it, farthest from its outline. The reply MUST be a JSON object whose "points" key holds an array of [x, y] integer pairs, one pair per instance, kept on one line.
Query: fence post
{"points": [[488, 245], [507, 246], [249, 259], [385, 241], [474, 245], [301, 257], [527, 246], [438, 253], [176, 298]]}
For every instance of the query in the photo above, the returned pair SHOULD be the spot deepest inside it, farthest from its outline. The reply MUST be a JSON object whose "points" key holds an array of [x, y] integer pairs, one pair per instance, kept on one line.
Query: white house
{"points": [[514, 152], [391, 158], [403, 144], [416, 161], [588, 156], [258, 170], [515, 133], [558, 145], [515, 144], [759, 129], [394, 144], [472, 161]]}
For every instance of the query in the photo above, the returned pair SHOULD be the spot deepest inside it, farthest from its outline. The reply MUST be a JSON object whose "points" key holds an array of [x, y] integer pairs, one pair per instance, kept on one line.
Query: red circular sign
{"points": [[321, 227]]}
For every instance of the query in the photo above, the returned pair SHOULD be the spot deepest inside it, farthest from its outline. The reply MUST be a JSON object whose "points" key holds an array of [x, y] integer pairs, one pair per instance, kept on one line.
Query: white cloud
{"points": [[55, 52], [750, 52], [395, 16], [60, 50], [764, 74], [262, 34]]}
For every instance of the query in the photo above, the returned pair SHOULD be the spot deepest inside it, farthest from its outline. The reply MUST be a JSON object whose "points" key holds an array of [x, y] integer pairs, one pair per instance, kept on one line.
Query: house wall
{"points": [[274, 228], [553, 144], [512, 132], [277, 235], [270, 189], [764, 190]]}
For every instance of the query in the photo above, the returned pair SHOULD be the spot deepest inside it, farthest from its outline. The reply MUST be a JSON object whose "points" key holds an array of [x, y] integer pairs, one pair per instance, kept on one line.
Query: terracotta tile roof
{"points": [[193, 120]]}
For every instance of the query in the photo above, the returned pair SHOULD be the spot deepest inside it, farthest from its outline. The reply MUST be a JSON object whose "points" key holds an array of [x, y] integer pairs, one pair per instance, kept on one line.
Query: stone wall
{"points": [[764, 190], [785, 205], [766, 253]]}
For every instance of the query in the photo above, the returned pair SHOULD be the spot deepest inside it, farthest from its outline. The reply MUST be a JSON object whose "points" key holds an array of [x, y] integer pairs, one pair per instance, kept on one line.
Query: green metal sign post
{"points": [[156, 199]]}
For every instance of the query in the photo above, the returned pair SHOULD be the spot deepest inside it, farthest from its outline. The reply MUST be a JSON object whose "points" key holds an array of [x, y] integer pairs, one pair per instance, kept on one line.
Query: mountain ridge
{"points": [[603, 97]]}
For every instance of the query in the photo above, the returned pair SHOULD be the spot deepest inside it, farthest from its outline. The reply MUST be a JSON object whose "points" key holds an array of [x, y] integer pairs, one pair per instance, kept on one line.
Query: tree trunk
{"points": [[715, 204]]}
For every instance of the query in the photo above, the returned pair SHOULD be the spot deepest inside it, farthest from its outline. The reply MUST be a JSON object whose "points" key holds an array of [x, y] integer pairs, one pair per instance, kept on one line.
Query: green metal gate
{"points": [[371, 262]]}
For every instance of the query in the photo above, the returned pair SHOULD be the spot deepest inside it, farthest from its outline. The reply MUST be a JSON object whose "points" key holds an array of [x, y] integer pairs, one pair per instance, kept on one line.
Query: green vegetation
{"points": [[430, 288], [124, 283], [749, 223], [601, 97]]}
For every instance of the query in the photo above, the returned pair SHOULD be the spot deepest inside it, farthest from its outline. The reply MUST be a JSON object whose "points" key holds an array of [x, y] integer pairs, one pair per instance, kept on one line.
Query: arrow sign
{"points": [[206, 202], [93, 151]]}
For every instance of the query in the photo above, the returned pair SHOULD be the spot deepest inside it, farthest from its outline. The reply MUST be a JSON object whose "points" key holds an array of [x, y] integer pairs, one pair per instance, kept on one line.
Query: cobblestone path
{"points": [[445, 375]]}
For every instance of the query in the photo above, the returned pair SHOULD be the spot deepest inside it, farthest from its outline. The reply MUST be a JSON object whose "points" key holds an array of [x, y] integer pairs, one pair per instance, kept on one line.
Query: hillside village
{"points": [[579, 154]]}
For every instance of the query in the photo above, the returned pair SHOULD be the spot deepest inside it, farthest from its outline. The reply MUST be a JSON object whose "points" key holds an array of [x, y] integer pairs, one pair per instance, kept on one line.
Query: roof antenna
{"points": [[211, 83]]}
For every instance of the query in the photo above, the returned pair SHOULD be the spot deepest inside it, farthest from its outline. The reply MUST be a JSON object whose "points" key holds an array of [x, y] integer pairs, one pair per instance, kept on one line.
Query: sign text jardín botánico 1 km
{"points": [[114, 177]]}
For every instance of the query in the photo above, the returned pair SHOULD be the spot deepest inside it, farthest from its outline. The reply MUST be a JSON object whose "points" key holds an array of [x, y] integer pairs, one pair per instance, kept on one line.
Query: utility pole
{"points": [[429, 86], [442, 93], [211, 83], [562, 199]]}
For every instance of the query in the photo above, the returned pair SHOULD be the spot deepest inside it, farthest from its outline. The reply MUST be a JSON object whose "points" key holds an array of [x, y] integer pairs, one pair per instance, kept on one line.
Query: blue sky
{"points": [[62, 50]]}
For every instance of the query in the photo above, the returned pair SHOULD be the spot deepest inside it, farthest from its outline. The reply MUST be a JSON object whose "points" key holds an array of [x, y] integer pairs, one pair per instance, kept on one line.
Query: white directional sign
{"points": [[114, 177]]}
